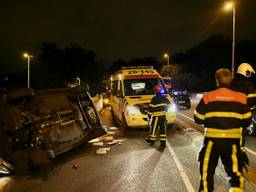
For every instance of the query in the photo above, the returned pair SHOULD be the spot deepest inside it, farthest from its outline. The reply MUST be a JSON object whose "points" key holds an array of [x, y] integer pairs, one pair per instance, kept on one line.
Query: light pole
{"points": [[166, 55], [28, 56], [78, 81], [231, 6]]}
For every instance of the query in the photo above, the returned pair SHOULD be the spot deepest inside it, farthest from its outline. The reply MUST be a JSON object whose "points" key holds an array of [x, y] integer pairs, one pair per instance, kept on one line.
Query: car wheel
{"points": [[113, 118], [92, 115], [124, 123]]}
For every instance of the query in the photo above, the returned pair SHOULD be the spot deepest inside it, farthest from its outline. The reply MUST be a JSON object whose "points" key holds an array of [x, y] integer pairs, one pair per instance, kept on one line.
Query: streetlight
{"points": [[231, 6], [28, 56], [166, 55]]}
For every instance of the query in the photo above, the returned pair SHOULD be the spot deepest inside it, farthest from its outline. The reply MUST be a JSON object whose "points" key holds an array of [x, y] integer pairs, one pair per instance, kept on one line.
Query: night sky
{"points": [[116, 28]]}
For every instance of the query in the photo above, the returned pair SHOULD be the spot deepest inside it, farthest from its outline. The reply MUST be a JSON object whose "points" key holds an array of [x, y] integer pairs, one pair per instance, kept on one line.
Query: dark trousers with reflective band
{"points": [[158, 122], [229, 152]]}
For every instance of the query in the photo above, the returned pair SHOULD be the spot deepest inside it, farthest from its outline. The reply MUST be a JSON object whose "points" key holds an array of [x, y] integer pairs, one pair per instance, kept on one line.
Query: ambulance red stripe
{"points": [[140, 76]]}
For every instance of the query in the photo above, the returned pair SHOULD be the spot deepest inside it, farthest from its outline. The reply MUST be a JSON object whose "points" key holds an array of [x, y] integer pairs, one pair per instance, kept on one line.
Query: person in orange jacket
{"points": [[224, 113]]}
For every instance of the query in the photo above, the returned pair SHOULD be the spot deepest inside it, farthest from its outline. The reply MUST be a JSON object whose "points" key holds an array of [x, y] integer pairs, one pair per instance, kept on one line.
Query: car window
{"points": [[142, 86]]}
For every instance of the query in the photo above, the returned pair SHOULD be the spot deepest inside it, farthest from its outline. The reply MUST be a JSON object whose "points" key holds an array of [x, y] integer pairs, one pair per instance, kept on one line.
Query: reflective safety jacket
{"points": [[224, 113], [242, 84], [159, 105]]}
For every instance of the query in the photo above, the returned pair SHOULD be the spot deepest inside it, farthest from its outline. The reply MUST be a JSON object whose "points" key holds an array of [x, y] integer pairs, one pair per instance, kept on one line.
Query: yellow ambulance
{"points": [[131, 93]]}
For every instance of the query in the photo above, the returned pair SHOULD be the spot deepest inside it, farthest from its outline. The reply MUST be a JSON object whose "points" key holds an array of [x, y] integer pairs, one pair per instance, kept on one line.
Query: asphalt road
{"points": [[133, 166]]}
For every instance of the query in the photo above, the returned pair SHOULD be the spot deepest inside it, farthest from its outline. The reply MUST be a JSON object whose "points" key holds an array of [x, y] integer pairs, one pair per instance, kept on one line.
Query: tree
{"points": [[59, 66]]}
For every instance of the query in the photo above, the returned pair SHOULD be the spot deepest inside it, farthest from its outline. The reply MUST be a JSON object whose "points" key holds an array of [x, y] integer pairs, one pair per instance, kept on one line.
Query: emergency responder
{"points": [[157, 116], [242, 84], [224, 113]]}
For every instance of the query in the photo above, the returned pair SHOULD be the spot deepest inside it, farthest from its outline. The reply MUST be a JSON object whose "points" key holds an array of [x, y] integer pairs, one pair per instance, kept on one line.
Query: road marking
{"points": [[250, 151], [181, 169], [247, 149], [186, 116]]}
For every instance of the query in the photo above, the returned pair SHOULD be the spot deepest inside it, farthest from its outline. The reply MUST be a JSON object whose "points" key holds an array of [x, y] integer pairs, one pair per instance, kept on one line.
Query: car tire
{"points": [[92, 116], [14, 95], [124, 123], [114, 122]]}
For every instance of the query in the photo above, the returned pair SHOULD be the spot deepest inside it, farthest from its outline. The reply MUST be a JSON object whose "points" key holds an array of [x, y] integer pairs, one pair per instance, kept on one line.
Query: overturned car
{"points": [[54, 121]]}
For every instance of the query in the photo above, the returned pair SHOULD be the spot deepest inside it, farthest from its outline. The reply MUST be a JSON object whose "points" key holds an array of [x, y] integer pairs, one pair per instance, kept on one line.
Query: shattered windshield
{"points": [[142, 86]]}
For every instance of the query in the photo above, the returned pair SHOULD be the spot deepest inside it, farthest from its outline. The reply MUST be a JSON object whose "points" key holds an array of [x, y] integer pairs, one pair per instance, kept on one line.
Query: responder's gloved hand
{"points": [[244, 159]]}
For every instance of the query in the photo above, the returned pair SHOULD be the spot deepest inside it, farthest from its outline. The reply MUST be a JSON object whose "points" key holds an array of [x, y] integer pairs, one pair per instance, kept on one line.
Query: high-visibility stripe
{"points": [[199, 116], [153, 136], [220, 133], [235, 168], [162, 135], [158, 105], [228, 114], [152, 139], [251, 95], [205, 165], [162, 139], [161, 113], [235, 189], [155, 125]]}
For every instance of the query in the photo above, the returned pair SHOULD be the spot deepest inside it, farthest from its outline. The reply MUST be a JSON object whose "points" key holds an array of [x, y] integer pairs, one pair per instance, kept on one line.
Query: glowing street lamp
{"points": [[28, 56], [167, 57], [228, 7]]}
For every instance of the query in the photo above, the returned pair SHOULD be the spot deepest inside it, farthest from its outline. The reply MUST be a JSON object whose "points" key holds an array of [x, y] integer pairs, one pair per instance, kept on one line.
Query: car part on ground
{"points": [[54, 121]]}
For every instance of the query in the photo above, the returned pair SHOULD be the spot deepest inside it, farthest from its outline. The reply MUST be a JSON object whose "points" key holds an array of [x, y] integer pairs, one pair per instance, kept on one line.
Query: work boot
{"points": [[149, 141]]}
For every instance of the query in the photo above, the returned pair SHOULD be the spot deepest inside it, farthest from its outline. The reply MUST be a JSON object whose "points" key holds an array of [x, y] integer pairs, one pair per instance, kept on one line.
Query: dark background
{"points": [[122, 29]]}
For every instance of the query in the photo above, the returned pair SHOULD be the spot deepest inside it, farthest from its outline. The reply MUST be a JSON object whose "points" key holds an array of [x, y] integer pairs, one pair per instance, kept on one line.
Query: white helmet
{"points": [[245, 69]]}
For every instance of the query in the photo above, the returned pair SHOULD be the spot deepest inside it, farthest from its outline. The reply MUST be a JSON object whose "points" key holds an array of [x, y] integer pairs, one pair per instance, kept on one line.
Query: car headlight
{"points": [[133, 110], [172, 109]]}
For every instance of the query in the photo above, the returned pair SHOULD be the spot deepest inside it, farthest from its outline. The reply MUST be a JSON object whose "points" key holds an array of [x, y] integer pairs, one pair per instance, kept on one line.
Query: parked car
{"points": [[181, 98], [53, 120]]}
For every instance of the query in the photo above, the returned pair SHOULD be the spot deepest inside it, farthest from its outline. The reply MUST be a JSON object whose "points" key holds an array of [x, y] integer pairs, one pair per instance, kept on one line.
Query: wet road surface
{"points": [[133, 166]]}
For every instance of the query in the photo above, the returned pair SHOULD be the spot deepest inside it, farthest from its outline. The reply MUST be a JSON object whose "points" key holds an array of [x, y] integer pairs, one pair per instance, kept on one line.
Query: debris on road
{"points": [[102, 151], [112, 142], [98, 144], [108, 138], [94, 140], [75, 166], [111, 132], [113, 128]]}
